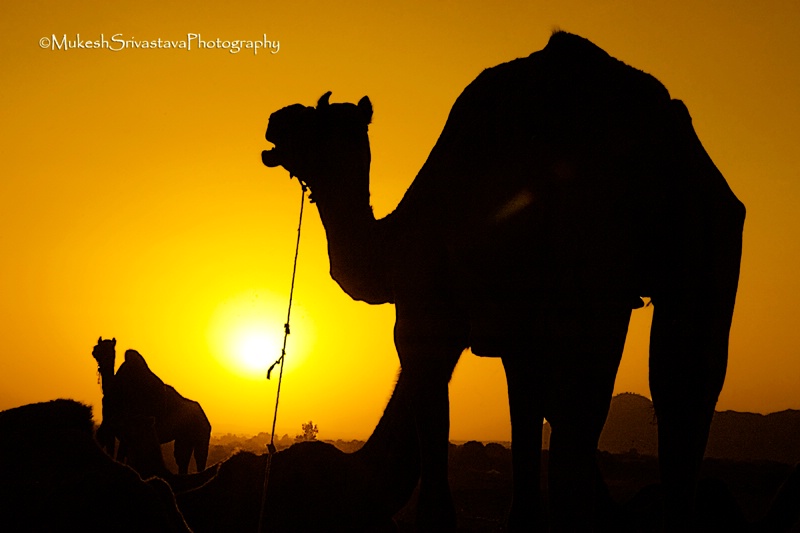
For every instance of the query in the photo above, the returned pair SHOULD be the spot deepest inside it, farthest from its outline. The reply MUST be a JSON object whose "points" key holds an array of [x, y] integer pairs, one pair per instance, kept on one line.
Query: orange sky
{"points": [[134, 203]]}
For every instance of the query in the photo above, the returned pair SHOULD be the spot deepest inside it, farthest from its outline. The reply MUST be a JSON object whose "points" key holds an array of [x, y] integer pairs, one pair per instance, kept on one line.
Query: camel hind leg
{"points": [[694, 295], [527, 418], [196, 430], [201, 443], [183, 454], [201, 456], [688, 360]]}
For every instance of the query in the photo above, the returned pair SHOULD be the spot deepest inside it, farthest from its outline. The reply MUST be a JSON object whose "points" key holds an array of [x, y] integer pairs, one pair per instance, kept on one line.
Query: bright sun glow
{"points": [[246, 335], [255, 350]]}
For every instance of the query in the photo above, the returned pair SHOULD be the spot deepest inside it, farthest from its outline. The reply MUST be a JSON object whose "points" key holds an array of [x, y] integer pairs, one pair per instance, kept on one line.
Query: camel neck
{"points": [[356, 241], [392, 451], [342, 196], [106, 377]]}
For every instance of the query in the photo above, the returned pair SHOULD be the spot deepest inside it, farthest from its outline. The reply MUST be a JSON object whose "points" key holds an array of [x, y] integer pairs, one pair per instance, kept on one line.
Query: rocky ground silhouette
{"points": [[736, 491], [749, 457], [746, 464]]}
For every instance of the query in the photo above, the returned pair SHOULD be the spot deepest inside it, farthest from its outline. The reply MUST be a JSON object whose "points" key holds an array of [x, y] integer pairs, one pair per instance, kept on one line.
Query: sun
{"points": [[255, 349], [246, 335]]}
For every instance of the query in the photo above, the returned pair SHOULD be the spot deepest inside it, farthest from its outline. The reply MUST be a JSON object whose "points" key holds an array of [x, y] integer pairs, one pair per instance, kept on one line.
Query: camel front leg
{"points": [[581, 349], [428, 353], [105, 437]]}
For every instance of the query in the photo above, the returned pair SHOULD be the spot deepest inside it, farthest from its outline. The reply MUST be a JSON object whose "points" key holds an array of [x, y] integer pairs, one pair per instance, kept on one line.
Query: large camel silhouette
{"points": [[135, 391], [564, 186]]}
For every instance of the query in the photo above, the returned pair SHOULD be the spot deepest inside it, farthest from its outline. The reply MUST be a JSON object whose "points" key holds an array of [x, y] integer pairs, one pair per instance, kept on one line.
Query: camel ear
{"points": [[324, 100], [114, 341], [365, 106], [99, 339]]}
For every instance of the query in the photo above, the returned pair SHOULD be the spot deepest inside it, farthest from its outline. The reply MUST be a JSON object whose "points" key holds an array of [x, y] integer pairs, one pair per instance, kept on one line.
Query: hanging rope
{"points": [[286, 330]]}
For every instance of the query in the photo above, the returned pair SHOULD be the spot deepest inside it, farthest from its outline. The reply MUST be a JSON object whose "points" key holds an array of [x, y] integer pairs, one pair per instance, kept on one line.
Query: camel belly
{"points": [[503, 328]]}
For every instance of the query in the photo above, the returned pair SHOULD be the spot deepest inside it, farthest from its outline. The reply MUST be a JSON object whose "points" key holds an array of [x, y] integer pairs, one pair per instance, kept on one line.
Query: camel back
{"points": [[562, 177]]}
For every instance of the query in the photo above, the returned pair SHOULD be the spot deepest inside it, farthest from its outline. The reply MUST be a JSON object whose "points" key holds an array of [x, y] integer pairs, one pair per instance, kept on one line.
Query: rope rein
{"points": [[286, 330]]}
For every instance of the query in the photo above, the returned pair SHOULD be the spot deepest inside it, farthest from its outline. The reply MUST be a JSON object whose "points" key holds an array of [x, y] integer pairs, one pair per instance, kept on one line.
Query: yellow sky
{"points": [[134, 204]]}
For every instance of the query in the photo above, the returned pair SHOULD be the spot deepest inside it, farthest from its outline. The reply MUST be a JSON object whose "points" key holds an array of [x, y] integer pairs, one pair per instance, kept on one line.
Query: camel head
{"points": [[104, 353], [320, 144]]}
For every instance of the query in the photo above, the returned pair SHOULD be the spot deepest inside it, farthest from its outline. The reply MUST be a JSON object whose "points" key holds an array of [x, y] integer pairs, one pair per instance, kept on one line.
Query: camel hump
{"points": [[137, 387], [568, 44], [135, 359], [135, 363]]}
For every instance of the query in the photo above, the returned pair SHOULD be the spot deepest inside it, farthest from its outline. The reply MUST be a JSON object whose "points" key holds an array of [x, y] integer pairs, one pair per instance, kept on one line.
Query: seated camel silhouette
{"points": [[564, 186], [54, 477], [313, 486], [135, 391]]}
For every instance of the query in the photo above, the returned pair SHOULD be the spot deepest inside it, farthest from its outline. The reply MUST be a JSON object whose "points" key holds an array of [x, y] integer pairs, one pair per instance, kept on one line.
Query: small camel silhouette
{"points": [[564, 186], [135, 391]]}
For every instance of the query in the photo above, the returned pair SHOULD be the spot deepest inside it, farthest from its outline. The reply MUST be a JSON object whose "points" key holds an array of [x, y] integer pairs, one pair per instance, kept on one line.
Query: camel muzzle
{"points": [[270, 158]]}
